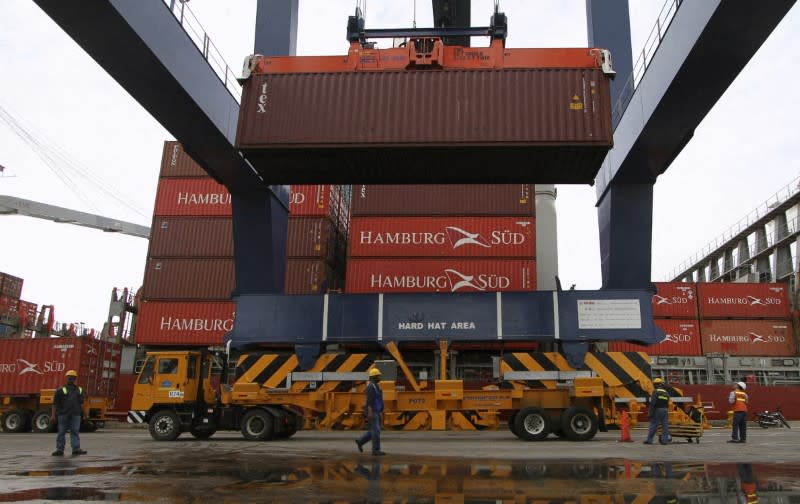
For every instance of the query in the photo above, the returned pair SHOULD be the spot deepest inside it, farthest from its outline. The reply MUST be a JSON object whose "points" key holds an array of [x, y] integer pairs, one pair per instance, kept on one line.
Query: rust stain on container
{"points": [[192, 197], [191, 237], [311, 276], [40, 363], [440, 275], [467, 126], [188, 279], [444, 199], [743, 300], [748, 337], [184, 323], [682, 338], [675, 299], [175, 162], [442, 237]]}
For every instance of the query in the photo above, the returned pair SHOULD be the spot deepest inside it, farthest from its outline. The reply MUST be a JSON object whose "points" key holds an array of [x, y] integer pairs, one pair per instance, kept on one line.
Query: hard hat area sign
{"points": [[609, 314]]}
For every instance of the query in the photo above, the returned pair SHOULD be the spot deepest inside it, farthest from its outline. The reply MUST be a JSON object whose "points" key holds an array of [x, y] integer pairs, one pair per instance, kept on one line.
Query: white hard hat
{"points": [[742, 385]]}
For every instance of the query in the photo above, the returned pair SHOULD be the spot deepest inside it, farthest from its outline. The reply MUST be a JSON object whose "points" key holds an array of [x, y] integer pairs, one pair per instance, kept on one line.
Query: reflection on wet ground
{"points": [[210, 477]]}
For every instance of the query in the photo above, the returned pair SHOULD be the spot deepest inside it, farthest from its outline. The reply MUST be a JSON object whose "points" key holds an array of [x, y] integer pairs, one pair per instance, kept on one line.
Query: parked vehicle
{"points": [[768, 419]]}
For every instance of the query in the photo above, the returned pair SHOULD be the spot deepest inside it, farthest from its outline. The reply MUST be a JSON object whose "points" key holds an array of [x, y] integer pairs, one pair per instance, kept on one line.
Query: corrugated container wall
{"points": [[675, 300], [184, 323], [743, 300], [191, 237], [312, 237], [682, 338], [748, 337], [188, 279], [442, 237], [10, 286], [30, 365], [440, 275], [192, 197], [175, 162], [311, 276], [444, 199]]}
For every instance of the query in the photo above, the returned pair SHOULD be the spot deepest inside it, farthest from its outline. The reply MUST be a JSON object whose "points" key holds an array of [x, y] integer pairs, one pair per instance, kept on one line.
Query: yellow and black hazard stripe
{"points": [[268, 370]]}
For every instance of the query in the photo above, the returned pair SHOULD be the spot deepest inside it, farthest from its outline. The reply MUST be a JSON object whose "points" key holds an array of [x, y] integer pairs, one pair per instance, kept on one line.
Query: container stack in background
{"points": [[17, 316], [442, 238], [189, 276]]}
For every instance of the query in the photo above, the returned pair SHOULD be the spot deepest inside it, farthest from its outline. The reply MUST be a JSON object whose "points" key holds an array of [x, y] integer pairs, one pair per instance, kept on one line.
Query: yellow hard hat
{"points": [[72, 372], [658, 380], [374, 372]]}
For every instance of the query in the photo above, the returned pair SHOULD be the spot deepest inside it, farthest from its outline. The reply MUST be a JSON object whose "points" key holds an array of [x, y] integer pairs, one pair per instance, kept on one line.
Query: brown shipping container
{"points": [[748, 337], [191, 237], [743, 300], [549, 125], [442, 237], [184, 323], [311, 237], [10, 286], [188, 279], [440, 275], [444, 199], [9, 304], [175, 162], [675, 299], [682, 338], [192, 197], [30, 365], [311, 276]]}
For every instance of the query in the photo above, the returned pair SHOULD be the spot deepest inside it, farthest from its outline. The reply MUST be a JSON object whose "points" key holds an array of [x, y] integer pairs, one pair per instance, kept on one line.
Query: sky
{"points": [[85, 127]]}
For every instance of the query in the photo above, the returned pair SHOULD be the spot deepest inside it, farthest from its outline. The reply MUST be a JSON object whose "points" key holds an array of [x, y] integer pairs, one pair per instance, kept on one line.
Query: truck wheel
{"points": [[257, 425], [202, 434], [578, 424], [511, 419], [41, 422], [16, 421], [165, 426], [532, 424]]}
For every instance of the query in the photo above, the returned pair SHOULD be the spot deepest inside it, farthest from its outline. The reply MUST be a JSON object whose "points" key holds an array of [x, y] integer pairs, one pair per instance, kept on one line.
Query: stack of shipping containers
{"points": [[443, 238], [189, 276], [17, 317]]}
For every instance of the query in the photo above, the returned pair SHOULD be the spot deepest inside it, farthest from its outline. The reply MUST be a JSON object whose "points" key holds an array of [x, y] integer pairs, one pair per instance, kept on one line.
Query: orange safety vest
{"points": [[741, 401]]}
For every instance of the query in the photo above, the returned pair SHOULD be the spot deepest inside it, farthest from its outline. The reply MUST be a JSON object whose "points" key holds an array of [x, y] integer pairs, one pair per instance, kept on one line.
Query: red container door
{"points": [[440, 275], [748, 337], [192, 197], [682, 338], [184, 323], [675, 300], [743, 300], [311, 237], [442, 237]]}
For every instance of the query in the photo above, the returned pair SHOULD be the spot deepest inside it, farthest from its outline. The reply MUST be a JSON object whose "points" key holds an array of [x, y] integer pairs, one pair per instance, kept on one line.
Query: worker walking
{"points": [[658, 412], [67, 409], [738, 398], [373, 407]]}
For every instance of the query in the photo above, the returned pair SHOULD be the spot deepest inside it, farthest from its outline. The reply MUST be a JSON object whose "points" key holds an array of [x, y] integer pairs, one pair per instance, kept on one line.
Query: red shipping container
{"points": [[10, 286], [682, 338], [188, 279], [743, 300], [675, 299], [191, 237], [442, 237], [184, 323], [30, 365], [9, 305], [312, 237], [192, 197], [444, 199], [748, 337], [440, 275], [318, 200], [311, 276], [175, 162], [27, 313]]}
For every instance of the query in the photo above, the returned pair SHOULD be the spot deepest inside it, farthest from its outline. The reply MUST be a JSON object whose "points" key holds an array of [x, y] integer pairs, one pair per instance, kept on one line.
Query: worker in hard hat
{"points": [[67, 409], [738, 399], [658, 412], [373, 411]]}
